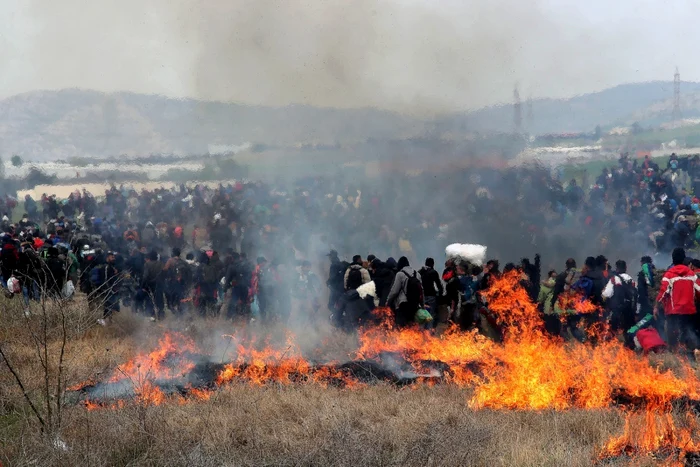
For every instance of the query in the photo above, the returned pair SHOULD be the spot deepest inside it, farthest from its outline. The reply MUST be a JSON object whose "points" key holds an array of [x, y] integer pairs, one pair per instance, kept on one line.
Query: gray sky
{"points": [[418, 56]]}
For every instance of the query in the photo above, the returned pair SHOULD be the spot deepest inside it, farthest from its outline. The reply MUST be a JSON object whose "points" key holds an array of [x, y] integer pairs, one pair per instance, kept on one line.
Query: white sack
{"points": [[367, 289], [475, 254]]}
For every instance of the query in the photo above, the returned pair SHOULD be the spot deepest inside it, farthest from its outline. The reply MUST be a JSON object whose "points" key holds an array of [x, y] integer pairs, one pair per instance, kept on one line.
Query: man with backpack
{"points": [[406, 295], [679, 289], [620, 294], [356, 274]]}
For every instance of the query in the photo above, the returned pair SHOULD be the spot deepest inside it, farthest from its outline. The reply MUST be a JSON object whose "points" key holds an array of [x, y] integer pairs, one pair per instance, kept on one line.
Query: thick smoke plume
{"points": [[414, 56]]}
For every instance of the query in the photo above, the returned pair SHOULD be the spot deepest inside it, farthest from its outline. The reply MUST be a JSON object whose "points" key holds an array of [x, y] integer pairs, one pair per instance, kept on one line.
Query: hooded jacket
{"points": [[432, 286], [383, 281], [679, 288], [397, 295]]}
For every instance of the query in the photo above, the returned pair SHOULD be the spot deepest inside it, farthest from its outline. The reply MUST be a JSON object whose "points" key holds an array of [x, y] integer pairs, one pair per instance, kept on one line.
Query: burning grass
{"points": [[396, 397]]}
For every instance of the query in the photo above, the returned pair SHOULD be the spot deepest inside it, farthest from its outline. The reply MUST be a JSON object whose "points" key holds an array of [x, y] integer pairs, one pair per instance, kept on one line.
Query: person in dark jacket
{"points": [[175, 273], [533, 272], [336, 276], [111, 288], [448, 303], [152, 286], [383, 280], [135, 264], [399, 295], [233, 281], [206, 285], [490, 272], [221, 236], [468, 278], [355, 309], [596, 270], [55, 273], [432, 286]]}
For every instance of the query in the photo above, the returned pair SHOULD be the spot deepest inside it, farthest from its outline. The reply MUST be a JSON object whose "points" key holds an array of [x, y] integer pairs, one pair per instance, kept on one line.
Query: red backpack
{"points": [[650, 340]]}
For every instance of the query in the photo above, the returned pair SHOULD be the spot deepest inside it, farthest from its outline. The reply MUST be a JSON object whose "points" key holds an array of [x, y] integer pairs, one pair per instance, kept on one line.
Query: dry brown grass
{"points": [[276, 425]]}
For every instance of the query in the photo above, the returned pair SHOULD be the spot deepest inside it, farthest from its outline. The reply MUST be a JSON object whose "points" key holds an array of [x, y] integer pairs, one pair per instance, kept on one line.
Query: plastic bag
{"points": [[423, 316], [13, 285], [68, 289]]}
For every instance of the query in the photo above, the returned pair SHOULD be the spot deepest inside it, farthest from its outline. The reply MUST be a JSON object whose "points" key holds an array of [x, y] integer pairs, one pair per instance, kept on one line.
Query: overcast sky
{"points": [[407, 55]]}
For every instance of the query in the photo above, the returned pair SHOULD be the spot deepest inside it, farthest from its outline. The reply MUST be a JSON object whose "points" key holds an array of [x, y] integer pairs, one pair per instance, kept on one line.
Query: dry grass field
{"points": [[241, 424]]}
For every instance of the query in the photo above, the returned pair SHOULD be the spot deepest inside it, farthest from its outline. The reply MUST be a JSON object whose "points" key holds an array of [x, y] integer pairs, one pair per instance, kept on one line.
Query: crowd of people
{"points": [[253, 249]]}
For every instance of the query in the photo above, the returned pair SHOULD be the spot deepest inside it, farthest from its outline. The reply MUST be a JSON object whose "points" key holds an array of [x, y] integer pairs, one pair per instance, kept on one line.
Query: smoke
{"points": [[408, 56], [412, 55]]}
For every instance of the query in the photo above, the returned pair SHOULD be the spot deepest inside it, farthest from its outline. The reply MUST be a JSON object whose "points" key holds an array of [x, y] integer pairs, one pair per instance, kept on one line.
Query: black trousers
{"points": [[405, 315], [680, 331]]}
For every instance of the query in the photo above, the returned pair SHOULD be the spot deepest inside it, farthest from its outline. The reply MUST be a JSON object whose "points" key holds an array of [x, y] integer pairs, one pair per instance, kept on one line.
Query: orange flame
{"points": [[652, 433], [528, 370]]}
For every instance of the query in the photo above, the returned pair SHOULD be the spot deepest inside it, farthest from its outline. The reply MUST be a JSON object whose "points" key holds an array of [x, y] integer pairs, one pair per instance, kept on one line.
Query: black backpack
{"points": [[414, 290], [627, 298], [354, 278]]}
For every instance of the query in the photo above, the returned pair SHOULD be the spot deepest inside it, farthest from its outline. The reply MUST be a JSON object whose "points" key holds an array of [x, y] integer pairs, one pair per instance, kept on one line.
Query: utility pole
{"points": [[517, 111], [676, 96]]}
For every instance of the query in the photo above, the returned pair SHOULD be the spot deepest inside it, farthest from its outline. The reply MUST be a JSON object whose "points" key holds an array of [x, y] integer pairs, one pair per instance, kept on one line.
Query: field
{"points": [[261, 417], [289, 425]]}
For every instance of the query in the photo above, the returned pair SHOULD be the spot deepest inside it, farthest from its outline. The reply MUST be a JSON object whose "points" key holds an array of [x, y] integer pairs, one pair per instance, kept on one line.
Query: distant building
{"points": [[620, 131], [227, 149]]}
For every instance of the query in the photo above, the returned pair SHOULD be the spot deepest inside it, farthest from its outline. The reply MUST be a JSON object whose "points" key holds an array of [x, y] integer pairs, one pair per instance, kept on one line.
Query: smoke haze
{"points": [[414, 55]]}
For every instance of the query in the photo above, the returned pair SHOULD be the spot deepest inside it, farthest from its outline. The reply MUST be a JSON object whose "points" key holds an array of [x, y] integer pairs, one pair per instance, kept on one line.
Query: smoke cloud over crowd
{"points": [[414, 56]]}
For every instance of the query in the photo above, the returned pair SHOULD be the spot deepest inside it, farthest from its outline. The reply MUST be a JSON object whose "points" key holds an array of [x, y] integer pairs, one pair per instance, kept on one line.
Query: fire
{"points": [[527, 370], [169, 360], [654, 434], [172, 359]]}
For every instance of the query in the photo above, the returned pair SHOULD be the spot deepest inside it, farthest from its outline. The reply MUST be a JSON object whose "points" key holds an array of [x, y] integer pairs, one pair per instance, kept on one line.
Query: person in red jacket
{"points": [[679, 289]]}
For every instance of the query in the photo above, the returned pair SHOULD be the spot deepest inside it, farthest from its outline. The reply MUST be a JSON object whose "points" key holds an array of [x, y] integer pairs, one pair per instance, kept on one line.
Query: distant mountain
{"points": [[70, 123], [49, 125], [580, 113]]}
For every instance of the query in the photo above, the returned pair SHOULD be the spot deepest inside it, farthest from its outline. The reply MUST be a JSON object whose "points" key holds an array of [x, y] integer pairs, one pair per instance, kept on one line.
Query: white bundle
{"points": [[367, 289], [475, 254]]}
